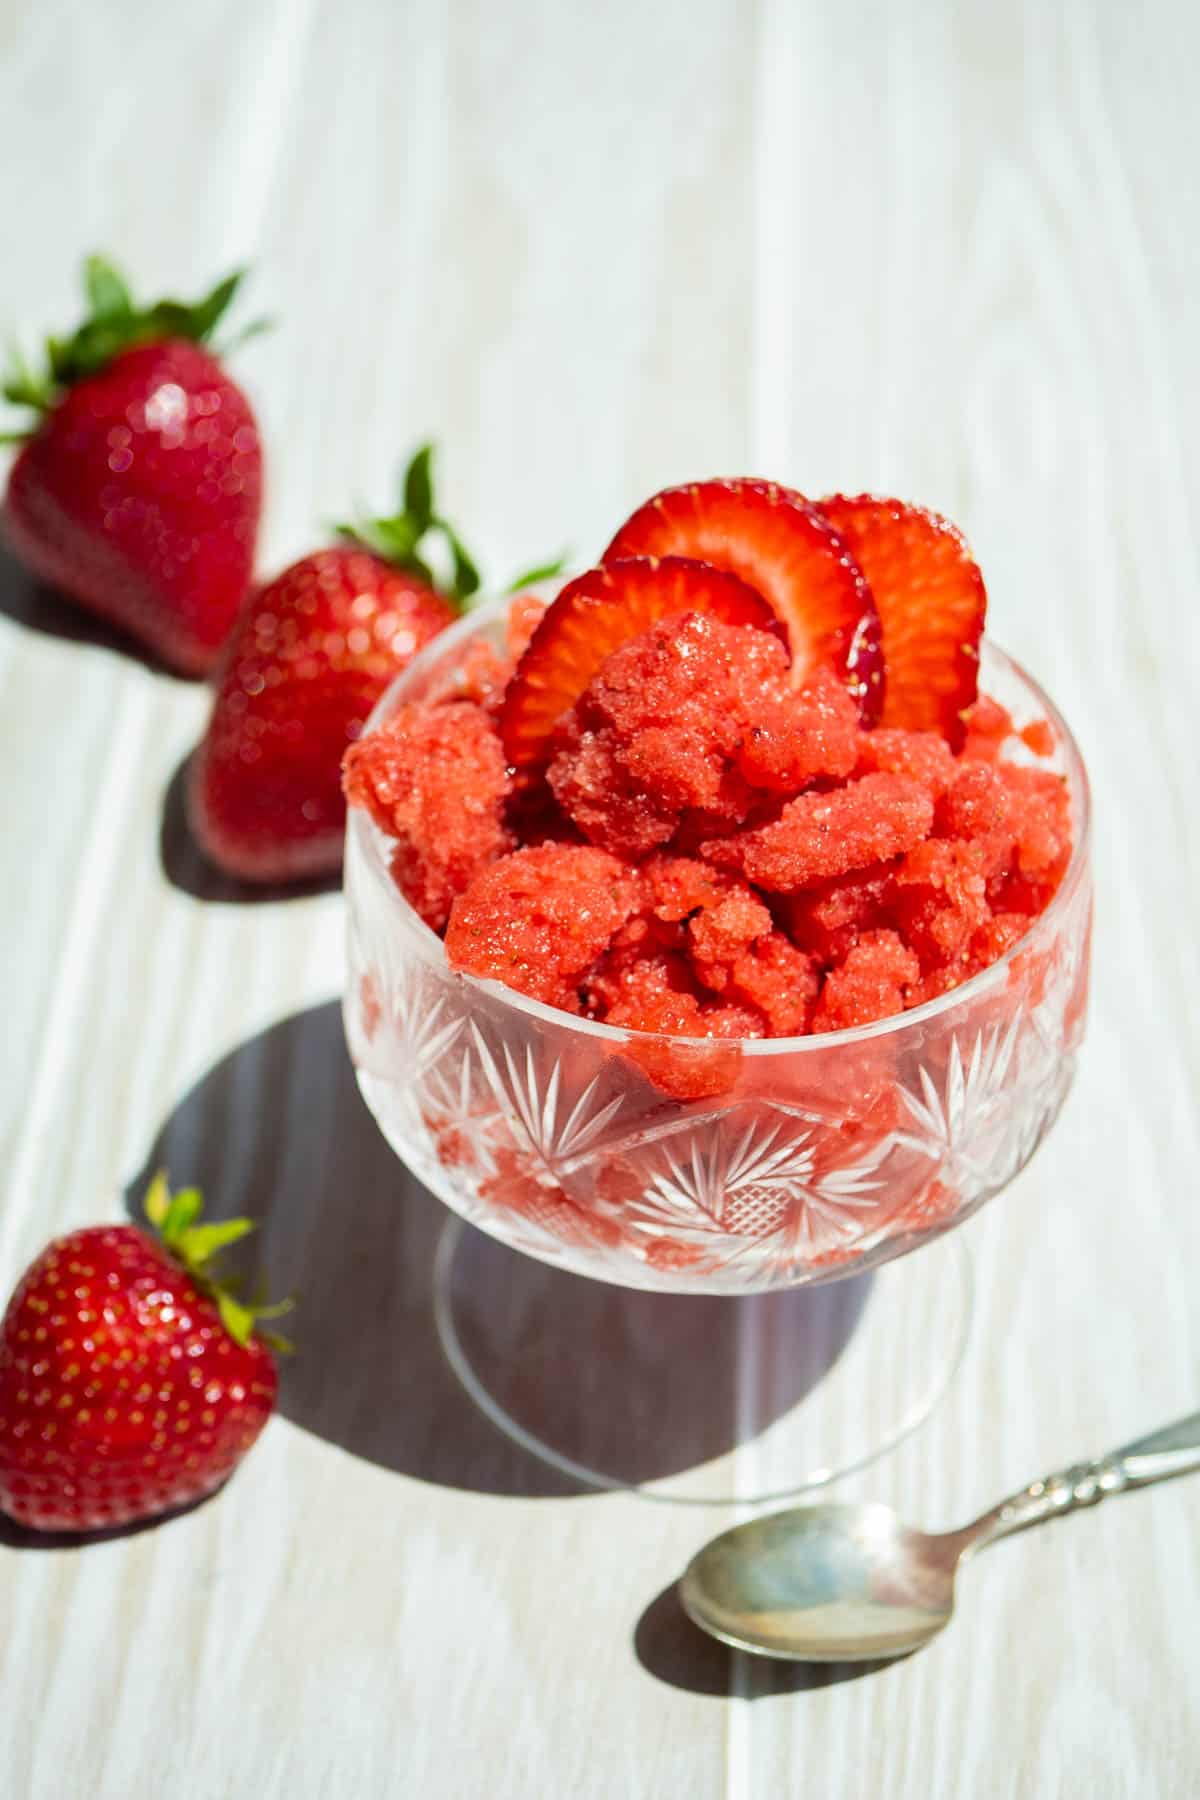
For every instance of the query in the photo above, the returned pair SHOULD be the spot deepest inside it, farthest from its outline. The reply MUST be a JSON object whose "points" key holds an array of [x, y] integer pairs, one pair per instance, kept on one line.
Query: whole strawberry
{"points": [[130, 1382], [138, 489], [312, 653]]}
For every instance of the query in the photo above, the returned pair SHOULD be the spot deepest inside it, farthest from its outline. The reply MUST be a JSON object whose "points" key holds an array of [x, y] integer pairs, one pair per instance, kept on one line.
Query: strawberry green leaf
{"points": [[365, 534], [198, 1244], [274, 1312], [541, 572], [184, 1210], [24, 389], [21, 385], [402, 539], [104, 285], [58, 359], [394, 540], [115, 323], [254, 329], [170, 318], [466, 575], [91, 349], [417, 566], [157, 1203], [418, 490], [175, 1217], [207, 315], [399, 537], [237, 1319]]}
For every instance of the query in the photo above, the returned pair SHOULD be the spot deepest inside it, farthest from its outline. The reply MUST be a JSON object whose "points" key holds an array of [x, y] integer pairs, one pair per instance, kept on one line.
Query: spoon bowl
{"points": [[855, 1584], [824, 1584]]}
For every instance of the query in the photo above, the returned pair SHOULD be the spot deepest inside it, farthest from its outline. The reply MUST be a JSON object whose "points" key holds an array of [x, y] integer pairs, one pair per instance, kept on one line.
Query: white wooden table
{"points": [[947, 251]]}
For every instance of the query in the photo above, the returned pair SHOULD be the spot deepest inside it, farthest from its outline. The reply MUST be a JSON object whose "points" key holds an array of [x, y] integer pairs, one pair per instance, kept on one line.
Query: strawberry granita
{"points": [[686, 728], [668, 805], [434, 779], [830, 832], [541, 918], [871, 981], [709, 839], [850, 873]]}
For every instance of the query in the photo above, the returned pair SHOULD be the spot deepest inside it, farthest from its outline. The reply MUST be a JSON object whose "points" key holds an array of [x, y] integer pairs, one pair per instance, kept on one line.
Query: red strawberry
{"points": [[931, 601], [773, 539], [311, 655], [138, 490], [592, 617], [129, 1381]]}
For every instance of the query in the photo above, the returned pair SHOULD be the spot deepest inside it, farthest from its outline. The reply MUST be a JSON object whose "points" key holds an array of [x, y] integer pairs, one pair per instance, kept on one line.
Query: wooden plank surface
{"points": [[943, 250]]}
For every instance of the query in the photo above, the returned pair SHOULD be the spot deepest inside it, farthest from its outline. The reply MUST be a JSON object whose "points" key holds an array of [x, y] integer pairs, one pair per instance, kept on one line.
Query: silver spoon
{"points": [[853, 1583]]}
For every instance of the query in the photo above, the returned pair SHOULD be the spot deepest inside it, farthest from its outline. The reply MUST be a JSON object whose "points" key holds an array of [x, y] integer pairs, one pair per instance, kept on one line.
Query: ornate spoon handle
{"points": [[1172, 1451]]}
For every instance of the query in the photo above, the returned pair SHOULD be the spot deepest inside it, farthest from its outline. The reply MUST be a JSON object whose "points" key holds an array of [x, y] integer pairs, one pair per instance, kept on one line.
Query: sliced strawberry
{"points": [[772, 538], [593, 616], [931, 601]]}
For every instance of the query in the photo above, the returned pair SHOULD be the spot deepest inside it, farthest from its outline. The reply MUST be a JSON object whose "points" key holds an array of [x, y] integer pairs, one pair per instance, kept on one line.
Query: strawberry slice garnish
{"points": [[593, 616], [772, 538], [931, 601]]}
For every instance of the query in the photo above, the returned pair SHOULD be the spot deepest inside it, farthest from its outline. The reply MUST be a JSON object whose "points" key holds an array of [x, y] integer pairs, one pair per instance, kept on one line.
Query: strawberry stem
{"points": [[542, 572], [175, 1219], [114, 323], [405, 538]]}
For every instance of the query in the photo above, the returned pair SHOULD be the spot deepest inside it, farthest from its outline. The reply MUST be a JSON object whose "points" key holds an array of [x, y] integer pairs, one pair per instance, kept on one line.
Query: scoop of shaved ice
{"points": [[824, 834], [941, 898], [827, 919], [698, 1071], [434, 779], [680, 728], [796, 737], [540, 919], [719, 934], [637, 968], [871, 982], [1040, 817], [922, 756], [678, 886], [978, 806], [779, 981]]}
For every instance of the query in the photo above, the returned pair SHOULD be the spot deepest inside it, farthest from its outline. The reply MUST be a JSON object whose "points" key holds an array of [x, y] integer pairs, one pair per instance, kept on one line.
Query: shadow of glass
{"points": [[675, 1651], [658, 1383], [643, 1384], [187, 868], [31, 604]]}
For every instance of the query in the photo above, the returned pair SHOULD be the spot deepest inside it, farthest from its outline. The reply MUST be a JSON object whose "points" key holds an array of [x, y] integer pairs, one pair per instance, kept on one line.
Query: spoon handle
{"points": [[1175, 1450]]}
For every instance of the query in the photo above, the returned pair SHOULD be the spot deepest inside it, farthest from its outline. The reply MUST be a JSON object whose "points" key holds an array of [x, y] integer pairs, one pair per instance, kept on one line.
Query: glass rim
{"points": [[361, 828]]}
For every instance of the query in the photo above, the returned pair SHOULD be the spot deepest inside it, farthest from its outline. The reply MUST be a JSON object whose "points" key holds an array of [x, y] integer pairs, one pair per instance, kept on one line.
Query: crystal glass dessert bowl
{"points": [[701, 1165]]}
